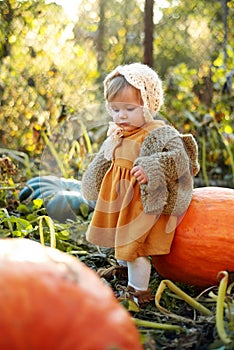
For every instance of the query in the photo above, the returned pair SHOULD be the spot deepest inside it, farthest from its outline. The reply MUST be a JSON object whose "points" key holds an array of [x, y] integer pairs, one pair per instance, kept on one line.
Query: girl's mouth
{"points": [[124, 124]]}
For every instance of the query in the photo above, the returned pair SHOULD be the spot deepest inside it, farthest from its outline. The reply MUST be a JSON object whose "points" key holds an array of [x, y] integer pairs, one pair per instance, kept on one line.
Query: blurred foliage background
{"points": [[52, 67]]}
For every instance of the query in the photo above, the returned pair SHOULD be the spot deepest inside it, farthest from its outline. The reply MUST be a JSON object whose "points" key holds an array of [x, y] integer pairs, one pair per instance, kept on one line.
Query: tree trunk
{"points": [[100, 36], [149, 32], [7, 15], [225, 29]]}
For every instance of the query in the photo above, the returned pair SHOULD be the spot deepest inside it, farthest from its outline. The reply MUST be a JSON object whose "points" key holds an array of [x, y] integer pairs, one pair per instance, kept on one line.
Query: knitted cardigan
{"points": [[170, 161]]}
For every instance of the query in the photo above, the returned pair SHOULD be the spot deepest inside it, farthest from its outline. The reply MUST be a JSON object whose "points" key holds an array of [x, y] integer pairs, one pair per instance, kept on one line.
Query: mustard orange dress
{"points": [[119, 220]]}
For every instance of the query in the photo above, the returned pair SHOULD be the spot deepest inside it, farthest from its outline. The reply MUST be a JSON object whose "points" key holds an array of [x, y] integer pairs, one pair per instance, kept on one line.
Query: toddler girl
{"points": [[142, 178]]}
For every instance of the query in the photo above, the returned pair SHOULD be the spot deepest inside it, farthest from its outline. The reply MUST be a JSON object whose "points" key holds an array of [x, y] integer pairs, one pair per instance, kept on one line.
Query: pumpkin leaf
{"points": [[37, 203], [17, 233], [23, 209], [64, 235], [23, 227]]}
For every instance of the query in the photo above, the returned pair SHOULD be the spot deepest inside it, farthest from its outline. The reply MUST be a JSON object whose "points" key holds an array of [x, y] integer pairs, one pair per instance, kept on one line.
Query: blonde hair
{"points": [[116, 85]]}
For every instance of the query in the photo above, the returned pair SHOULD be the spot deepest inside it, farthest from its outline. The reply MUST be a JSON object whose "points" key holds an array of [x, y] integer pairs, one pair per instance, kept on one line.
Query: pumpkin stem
{"points": [[191, 301], [220, 307]]}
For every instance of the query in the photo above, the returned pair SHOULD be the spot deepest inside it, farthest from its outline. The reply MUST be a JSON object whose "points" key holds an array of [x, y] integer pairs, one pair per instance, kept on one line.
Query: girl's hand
{"points": [[139, 174]]}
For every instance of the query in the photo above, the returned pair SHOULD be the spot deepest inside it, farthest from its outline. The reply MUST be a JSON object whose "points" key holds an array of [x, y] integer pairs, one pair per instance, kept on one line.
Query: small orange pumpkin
{"points": [[203, 243]]}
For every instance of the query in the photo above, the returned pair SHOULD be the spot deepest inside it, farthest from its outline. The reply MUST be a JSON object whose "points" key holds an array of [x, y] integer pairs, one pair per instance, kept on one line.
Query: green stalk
{"points": [[227, 147], [204, 172], [8, 219], [55, 154], [156, 325], [230, 287], [86, 137], [50, 224], [220, 307], [74, 148], [191, 301], [41, 232]]}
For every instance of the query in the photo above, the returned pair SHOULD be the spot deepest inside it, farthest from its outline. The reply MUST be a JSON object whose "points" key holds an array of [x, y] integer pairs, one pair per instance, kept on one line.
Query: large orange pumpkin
{"points": [[52, 301], [204, 240]]}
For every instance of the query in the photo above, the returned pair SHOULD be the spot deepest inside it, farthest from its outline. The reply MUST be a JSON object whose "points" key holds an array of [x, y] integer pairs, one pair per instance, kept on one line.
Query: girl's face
{"points": [[127, 110]]}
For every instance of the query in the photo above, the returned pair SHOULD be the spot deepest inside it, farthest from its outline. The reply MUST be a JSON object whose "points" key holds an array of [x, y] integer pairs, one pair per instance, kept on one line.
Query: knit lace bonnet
{"points": [[145, 79]]}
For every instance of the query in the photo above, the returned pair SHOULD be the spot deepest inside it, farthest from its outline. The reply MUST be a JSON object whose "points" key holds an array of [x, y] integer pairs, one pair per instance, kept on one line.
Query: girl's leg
{"points": [[139, 273]]}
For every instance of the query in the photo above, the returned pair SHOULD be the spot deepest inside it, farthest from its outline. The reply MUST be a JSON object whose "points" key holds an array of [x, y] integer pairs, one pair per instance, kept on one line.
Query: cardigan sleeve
{"points": [[92, 178], [165, 159], [163, 156]]}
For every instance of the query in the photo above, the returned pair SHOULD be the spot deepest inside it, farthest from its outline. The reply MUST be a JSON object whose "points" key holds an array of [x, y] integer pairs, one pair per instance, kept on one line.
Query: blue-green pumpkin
{"points": [[62, 197]]}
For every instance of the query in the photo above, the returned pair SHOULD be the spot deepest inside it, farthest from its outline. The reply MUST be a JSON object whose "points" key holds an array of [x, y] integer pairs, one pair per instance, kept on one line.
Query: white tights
{"points": [[138, 272]]}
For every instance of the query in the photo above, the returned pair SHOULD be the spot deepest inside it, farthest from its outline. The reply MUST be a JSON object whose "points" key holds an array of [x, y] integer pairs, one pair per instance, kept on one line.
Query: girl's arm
{"points": [[92, 178], [166, 156], [170, 162]]}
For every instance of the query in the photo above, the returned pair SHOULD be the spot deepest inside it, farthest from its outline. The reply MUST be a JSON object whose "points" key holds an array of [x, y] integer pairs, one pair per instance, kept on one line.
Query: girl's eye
{"points": [[130, 109]]}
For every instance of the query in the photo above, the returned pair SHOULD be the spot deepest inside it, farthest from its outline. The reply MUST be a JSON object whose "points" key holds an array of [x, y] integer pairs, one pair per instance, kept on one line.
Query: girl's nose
{"points": [[122, 114]]}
